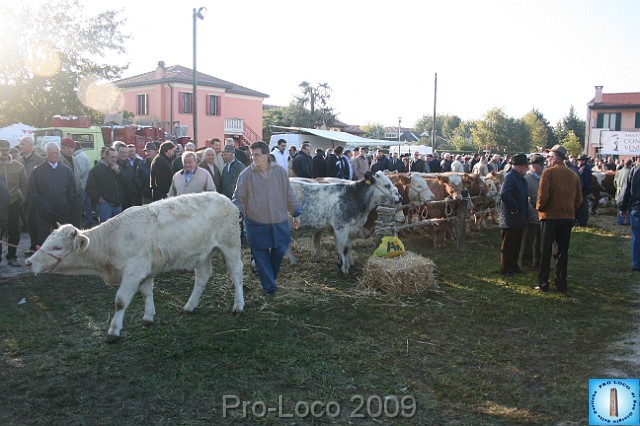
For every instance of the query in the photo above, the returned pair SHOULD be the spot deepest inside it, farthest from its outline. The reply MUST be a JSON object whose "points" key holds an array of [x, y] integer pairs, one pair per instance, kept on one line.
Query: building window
{"points": [[391, 135], [609, 120], [143, 104], [637, 120], [186, 103], [213, 105]]}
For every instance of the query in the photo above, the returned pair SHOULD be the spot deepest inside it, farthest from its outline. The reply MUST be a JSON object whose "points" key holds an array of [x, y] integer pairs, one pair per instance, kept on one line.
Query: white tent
{"points": [[14, 132], [324, 138]]}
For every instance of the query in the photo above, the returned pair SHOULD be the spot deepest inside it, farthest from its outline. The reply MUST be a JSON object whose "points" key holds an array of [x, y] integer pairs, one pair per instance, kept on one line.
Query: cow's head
{"points": [[383, 186], [452, 185], [492, 190], [63, 242], [419, 190]]}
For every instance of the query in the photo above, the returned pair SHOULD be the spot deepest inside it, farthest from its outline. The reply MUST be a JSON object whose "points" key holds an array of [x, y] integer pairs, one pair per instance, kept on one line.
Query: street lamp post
{"points": [[399, 121], [199, 13]]}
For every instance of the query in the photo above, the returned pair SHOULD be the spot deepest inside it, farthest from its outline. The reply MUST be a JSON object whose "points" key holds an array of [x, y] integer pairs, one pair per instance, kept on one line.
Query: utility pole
{"points": [[433, 128]]}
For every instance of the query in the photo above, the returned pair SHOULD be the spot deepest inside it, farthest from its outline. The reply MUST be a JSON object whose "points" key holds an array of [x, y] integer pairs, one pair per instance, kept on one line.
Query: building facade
{"points": [[613, 124], [223, 109]]}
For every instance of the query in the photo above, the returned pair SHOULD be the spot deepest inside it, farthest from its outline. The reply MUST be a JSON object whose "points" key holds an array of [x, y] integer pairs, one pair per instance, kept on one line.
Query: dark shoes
{"points": [[544, 288], [13, 262]]}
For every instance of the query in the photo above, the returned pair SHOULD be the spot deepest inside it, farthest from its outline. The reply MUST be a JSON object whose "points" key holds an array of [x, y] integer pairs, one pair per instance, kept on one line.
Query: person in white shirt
{"points": [[279, 154]]}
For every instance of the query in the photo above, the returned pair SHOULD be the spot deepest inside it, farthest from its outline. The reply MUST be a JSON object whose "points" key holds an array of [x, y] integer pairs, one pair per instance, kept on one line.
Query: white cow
{"points": [[178, 233], [343, 206]]}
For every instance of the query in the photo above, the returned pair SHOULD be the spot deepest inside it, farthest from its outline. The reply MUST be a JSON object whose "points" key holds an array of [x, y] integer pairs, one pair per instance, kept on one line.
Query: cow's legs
{"points": [[233, 260], [317, 237], [342, 247], [128, 287], [289, 255], [203, 272], [146, 288]]}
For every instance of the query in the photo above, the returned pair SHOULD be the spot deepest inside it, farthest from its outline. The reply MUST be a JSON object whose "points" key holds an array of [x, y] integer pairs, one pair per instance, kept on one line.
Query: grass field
{"points": [[479, 349]]}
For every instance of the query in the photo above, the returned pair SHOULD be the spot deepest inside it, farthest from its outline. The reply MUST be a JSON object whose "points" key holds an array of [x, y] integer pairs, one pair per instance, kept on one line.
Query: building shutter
{"points": [[218, 105], [208, 105], [181, 102], [637, 125], [600, 121], [618, 121]]}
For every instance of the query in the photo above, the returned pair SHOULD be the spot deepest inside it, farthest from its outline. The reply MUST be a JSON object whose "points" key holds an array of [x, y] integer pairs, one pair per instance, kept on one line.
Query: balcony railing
{"points": [[233, 126]]}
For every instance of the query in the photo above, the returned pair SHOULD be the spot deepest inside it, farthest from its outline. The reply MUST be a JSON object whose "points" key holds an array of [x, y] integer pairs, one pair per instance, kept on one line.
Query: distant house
{"points": [[224, 109], [612, 112], [406, 134]]}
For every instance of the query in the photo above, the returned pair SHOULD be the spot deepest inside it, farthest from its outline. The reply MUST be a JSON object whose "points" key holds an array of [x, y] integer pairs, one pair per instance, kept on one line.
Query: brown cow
{"points": [[601, 187]]}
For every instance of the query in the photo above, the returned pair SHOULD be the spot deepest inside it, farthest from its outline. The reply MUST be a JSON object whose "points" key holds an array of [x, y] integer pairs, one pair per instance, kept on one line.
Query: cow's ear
{"points": [[368, 178], [81, 243]]}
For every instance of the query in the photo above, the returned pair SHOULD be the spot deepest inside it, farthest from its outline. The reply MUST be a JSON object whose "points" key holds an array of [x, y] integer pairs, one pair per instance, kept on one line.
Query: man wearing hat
{"points": [[620, 181], [231, 170], [15, 178], [559, 195], [630, 206], [143, 172], [530, 252], [161, 173], [584, 170], [67, 147], [513, 215]]}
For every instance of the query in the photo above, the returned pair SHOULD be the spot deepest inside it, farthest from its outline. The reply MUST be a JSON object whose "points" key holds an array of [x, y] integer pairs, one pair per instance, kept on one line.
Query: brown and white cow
{"points": [[144, 241]]}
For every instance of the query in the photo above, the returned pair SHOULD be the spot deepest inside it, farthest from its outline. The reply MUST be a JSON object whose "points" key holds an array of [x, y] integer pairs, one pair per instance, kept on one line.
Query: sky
{"points": [[380, 57]]}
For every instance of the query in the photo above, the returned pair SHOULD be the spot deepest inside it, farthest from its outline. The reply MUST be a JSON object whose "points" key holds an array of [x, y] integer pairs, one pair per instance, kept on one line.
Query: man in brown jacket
{"points": [[559, 195]]}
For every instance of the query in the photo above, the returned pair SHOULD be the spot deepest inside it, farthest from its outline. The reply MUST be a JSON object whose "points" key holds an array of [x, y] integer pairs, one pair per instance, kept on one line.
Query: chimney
{"points": [[598, 98], [161, 71]]}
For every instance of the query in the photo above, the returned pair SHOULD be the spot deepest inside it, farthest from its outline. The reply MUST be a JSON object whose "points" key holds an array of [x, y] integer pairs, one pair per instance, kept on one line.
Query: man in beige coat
{"points": [[191, 179]]}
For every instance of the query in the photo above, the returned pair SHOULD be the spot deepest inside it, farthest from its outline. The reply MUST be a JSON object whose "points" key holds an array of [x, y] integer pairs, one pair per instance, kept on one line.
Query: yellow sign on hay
{"points": [[390, 247]]}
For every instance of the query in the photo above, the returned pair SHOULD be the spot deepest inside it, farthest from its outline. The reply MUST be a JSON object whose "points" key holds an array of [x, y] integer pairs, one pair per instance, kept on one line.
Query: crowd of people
{"points": [[540, 204]]}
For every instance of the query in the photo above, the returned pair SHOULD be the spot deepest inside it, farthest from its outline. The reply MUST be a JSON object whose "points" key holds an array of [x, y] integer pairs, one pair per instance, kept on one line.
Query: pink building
{"points": [[224, 109], [612, 112]]}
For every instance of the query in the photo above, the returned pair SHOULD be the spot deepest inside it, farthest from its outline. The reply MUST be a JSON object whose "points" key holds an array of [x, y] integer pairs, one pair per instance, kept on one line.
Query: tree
{"points": [[571, 122], [272, 117], [317, 98], [460, 139], [541, 134], [49, 56], [572, 144], [374, 130]]}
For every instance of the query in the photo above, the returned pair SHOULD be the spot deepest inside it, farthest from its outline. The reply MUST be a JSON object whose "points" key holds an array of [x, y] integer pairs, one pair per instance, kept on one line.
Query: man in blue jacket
{"points": [[630, 206], [513, 214]]}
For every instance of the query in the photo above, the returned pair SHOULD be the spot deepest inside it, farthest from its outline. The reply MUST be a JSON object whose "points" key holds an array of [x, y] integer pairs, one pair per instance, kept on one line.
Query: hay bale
{"points": [[402, 275]]}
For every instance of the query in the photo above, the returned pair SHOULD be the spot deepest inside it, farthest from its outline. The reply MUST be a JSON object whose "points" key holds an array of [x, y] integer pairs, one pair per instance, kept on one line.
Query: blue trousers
{"points": [[622, 220], [106, 211], [634, 217], [268, 263]]}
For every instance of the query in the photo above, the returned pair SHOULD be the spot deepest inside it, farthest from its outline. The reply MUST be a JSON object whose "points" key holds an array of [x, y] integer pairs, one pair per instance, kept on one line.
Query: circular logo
{"points": [[613, 401]]}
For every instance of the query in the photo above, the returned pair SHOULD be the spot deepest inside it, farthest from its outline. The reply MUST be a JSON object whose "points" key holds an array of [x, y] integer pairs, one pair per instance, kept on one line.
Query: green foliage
{"points": [[540, 132], [571, 123], [272, 117], [47, 50], [374, 130], [498, 131], [572, 144], [311, 109]]}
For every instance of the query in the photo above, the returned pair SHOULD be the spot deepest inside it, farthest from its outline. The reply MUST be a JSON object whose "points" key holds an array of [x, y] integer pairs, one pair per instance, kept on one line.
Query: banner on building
{"points": [[620, 143]]}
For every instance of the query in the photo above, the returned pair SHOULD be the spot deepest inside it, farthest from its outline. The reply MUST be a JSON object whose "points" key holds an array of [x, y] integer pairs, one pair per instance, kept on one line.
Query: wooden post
{"points": [[461, 222]]}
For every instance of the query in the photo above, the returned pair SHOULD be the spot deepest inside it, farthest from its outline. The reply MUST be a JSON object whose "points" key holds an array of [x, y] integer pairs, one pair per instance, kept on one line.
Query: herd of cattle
{"points": [[126, 251]]}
